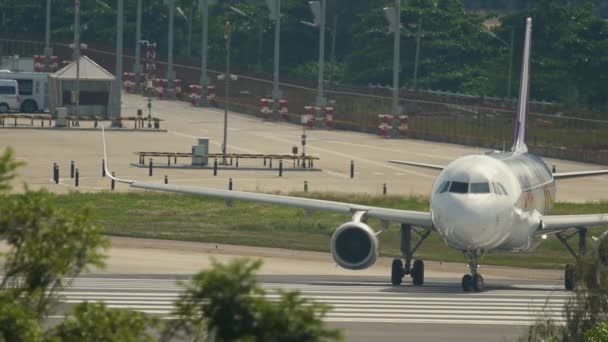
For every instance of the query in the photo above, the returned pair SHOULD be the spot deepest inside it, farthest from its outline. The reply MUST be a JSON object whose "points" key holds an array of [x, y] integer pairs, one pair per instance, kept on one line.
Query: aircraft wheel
{"points": [[418, 273], [467, 283], [569, 278], [397, 272], [477, 282]]}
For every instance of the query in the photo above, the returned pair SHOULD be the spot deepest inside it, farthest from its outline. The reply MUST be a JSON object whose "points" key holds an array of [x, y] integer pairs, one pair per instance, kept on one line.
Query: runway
{"points": [[366, 307]]}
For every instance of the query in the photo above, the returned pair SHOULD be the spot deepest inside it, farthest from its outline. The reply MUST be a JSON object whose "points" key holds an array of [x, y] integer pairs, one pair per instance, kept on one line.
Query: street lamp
{"points": [[318, 11], [203, 7], [48, 51], [227, 36], [137, 68], [170, 72], [116, 110], [274, 6], [510, 47], [393, 16]]}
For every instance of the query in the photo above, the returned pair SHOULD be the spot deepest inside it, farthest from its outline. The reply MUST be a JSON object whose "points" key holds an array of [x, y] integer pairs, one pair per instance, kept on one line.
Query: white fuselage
{"points": [[492, 201]]}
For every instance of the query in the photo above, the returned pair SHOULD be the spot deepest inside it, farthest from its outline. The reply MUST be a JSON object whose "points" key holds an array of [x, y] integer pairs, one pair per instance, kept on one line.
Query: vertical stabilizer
{"points": [[519, 143]]}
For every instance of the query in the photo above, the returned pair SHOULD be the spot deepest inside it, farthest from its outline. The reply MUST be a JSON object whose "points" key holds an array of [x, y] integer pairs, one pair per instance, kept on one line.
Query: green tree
{"points": [[17, 322], [227, 303], [95, 322]]}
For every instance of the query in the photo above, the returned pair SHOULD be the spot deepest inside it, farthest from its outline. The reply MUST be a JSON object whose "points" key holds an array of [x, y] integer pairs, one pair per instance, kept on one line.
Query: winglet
{"points": [[519, 143], [107, 162]]}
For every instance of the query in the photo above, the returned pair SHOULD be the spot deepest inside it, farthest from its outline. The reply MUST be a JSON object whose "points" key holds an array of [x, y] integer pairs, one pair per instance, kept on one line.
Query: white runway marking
{"points": [[355, 302]]}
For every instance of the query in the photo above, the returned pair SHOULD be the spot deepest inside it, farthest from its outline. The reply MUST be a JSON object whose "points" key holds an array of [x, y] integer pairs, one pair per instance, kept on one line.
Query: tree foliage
{"points": [[569, 57], [227, 303], [95, 322]]}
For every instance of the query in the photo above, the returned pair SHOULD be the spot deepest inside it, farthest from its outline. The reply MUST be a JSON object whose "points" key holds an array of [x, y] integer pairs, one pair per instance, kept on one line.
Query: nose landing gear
{"points": [[398, 269], [473, 281]]}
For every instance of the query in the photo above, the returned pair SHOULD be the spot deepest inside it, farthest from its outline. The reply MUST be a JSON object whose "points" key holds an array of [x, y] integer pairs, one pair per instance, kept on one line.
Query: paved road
{"points": [[366, 307]]}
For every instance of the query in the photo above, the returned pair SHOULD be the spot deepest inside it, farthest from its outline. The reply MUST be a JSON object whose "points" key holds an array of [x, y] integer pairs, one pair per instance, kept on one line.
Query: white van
{"points": [[9, 96], [33, 89]]}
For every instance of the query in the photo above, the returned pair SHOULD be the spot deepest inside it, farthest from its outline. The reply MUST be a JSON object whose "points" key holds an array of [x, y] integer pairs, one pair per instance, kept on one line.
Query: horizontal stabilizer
{"points": [[428, 166]]}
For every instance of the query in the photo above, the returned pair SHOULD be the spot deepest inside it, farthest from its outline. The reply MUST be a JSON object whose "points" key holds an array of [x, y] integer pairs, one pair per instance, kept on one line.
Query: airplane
{"points": [[496, 201]]}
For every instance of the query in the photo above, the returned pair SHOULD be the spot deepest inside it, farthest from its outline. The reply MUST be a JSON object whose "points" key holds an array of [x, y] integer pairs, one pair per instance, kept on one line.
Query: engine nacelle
{"points": [[354, 246]]}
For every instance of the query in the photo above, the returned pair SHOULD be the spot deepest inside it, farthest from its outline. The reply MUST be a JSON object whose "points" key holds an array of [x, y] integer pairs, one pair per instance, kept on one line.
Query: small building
{"points": [[95, 84]]}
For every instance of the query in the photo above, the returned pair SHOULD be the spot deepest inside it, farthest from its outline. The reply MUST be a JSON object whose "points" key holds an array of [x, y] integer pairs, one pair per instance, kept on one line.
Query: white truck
{"points": [[9, 96], [33, 89]]}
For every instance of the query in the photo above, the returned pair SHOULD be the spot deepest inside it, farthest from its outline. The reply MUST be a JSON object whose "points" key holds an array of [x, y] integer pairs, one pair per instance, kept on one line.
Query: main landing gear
{"points": [[473, 281], [398, 269], [570, 271]]}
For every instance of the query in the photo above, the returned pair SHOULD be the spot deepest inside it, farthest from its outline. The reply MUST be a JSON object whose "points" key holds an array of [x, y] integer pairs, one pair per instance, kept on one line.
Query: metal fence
{"points": [[436, 116]]}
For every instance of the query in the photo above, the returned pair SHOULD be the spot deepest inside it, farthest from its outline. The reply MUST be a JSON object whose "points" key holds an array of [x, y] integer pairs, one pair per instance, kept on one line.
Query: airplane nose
{"points": [[468, 221]]}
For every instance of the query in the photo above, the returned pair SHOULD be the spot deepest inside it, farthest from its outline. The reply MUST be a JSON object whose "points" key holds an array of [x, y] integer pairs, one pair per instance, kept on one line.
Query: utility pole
{"points": [[510, 76], [137, 68], [203, 7], [76, 52], [321, 101], [275, 14], [227, 36], [393, 16], [418, 35], [48, 51], [116, 112], [170, 72]]}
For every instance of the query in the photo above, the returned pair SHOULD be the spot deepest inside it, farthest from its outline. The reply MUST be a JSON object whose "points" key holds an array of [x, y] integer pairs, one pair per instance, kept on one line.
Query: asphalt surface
{"points": [[367, 308]]}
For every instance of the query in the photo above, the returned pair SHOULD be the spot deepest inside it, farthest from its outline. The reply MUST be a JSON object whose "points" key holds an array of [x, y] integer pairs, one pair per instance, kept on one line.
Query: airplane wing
{"points": [[416, 218], [551, 224], [428, 166], [578, 174]]}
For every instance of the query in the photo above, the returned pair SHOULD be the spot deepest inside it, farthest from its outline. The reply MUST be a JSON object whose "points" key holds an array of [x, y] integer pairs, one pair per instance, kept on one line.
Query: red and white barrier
{"points": [[265, 103], [160, 86], [212, 95], [329, 116], [178, 87], [310, 116], [40, 63], [129, 81], [404, 123], [195, 94], [384, 129], [284, 109]]}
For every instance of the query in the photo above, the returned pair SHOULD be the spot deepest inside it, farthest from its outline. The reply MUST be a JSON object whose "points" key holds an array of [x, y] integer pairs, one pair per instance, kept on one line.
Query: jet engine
{"points": [[354, 246]]}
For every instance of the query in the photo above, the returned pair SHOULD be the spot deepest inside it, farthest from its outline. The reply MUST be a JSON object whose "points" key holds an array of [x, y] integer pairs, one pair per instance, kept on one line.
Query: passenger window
{"points": [[504, 191], [444, 187], [480, 188], [459, 187]]}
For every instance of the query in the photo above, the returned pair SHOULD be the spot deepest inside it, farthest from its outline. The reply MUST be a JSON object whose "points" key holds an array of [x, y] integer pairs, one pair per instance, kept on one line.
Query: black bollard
{"points": [[103, 168], [384, 189], [77, 178], [230, 184], [72, 168], [352, 169], [215, 167], [281, 168], [270, 163], [264, 161], [305, 186], [553, 169], [150, 168], [169, 161], [166, 179], [113, 183], [55, 173], [237, 163]]}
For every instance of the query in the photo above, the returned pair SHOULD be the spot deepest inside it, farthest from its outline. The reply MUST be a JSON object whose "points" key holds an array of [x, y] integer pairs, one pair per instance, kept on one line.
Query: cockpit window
{"points": [[480, 188], [504, 191], [459, 187], [496, 189], [444, 187]]}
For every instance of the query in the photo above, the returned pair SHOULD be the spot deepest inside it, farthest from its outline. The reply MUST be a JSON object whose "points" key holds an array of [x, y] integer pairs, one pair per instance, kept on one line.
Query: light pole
{"points": [[227, 36], [321, 101], [510, 47], [48, 51], [170, 72], [116, 111], [137, 68], [203, 7], [76, 52], [393, 16], [418, 35], [274, 6]]}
